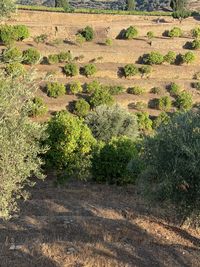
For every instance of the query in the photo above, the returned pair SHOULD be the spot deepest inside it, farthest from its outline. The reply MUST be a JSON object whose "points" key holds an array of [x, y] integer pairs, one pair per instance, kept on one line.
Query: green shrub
{"points": [[181, 13], [184, 101], [136, 90], [42, 38], [144, 122], [38, 108], [7, 34], [196, 32], [164, 103], [116, 89], [196, 44], [131, 33], [22, 32], [15, 69], [140, 105], [173, 164], [81, 108], [6, 8], [55, 89], [76, 87], [107, 122], [88, 33], [110, 161], [109, 42], [71, 69], [70, 144], [31, 56], [150, 35], [101, 97], [80, 39], [174, 89], [89, 70], [130, 70], [156, 90], [53, 59], [154, 58], [93, 86], [162, 118], [13, 54], [196, 85], [145, 70], [189, 57], [64, 57], [175, 32], [170, 57]]}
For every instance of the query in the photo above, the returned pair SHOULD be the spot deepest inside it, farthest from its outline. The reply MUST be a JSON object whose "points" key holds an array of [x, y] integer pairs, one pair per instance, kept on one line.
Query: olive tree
{"points": [[6, 8]]}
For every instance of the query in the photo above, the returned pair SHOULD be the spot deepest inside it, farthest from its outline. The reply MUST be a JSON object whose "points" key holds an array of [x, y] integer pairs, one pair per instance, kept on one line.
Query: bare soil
{"points": [[91, 225]]}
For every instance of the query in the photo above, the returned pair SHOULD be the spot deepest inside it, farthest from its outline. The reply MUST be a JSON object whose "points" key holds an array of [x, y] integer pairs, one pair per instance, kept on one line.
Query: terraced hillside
{"points": [[110, 59]]}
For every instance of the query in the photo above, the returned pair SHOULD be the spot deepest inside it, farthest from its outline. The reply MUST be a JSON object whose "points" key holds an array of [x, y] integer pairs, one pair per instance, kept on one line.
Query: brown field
{"points": [[88, 225]]}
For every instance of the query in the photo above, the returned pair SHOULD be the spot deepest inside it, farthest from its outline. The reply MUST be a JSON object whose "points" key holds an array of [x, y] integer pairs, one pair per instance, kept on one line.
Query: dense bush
{"points": [[162, 118], [38, 107], [76, 87], [53, 59], [88, 33], [184, 101], [21, 31], [93, 86], [145, 70], [173, 162], [170, 57], [107, 122], [89, 70], [13, 54], [131, 33], [31, 56], [164, 103], [116, 89], [71, 69], [110, 161], [144, 122], [81, 107], [80, 39], [174, 89], [130, 70], [196, 32], [109, 42], [154, 58], [15, 69], [55, 89], [175, 32], [9, 34], [101, 97], [196, 44], [42, 38], [70, 142], [64, 57], [188, 57], [136, 90]]}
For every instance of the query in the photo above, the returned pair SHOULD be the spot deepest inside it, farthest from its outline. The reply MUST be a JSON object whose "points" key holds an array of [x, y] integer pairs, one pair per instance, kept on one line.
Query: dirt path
{"points": [[94, 226]]}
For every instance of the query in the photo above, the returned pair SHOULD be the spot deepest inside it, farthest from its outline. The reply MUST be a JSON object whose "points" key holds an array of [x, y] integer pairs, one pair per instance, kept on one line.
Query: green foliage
{"points": [[145, 70], [93, 86], [131, 33], [55, 89], [15, 69], [165, 103], [20, 144], [173, 163], [175, 32], [42, 38], [181, 14], [88, 33], [140, 105], [130, 70], [196, 32], [184, 101], [9, 34], [89, 70], [116, 89], [6, 8], [174, 89], [76, 87], [64, 57], [110, 161], [53, 59], [21, 31], [144, 122], [31, 56], [70, 142], [107, 122], [71, 69], [136, 90], [81, 108], [101, 97], [150, 35], [80, 39], [196, 44], [109, 42], [170, 57], [156, 90], [38, 107], [154, 58], [188, 58], [13, 54], [163, 118]]}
